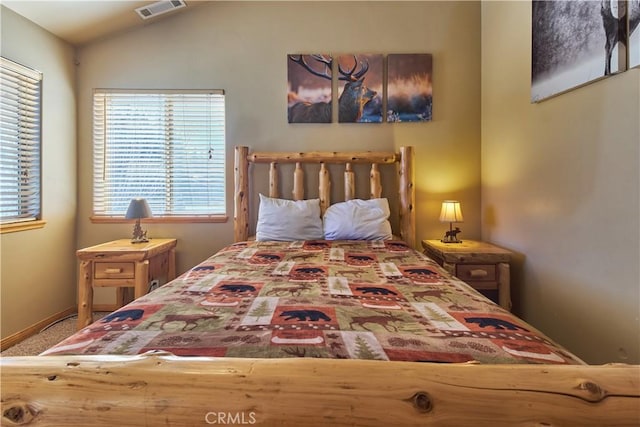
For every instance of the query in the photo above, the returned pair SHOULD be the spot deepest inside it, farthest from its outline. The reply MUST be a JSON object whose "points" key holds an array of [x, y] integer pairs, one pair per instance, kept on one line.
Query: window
{"points": [[20, 134], [165, 146]]}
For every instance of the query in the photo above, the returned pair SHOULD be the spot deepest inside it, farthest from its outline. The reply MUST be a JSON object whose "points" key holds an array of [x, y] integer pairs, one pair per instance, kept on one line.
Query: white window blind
{"points": [[20, 130], [165, 146]]}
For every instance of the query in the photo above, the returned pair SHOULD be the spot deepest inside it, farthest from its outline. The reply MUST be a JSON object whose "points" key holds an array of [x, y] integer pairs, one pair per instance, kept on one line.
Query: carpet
{"points": [[47, 337]]}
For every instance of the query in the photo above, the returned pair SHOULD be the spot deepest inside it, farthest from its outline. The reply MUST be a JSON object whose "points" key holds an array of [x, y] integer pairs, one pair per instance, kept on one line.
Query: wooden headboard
{"points": [[404, 167]]}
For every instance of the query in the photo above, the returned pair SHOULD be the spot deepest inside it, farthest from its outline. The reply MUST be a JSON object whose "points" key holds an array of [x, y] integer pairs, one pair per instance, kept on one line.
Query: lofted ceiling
{"points": [[82, 21]]}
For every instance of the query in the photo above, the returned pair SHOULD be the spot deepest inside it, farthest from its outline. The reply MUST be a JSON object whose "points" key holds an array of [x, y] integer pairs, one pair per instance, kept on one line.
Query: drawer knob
{"points": [[113, 270], [477, 273]]}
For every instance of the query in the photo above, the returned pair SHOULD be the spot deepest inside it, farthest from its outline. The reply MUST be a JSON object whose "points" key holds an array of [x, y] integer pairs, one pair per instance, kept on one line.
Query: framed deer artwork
{"points": [[359, 102], [361, 85], [576, 43], [409, 89], [634, 33], [310, 88]]}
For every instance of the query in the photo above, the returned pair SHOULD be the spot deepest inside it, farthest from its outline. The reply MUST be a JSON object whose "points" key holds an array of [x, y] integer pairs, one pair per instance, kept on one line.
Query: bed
{"points": [[345, 324]]}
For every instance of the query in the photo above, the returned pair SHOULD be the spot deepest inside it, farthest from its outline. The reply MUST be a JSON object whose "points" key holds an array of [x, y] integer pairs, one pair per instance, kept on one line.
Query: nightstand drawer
{"points": [[476, 272], [483, 286], [114, 270]]}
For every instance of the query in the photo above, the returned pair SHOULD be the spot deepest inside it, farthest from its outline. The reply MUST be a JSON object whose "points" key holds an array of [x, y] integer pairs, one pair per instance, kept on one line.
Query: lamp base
{"points": [[450, 241], [139, 236], [451, 236]]}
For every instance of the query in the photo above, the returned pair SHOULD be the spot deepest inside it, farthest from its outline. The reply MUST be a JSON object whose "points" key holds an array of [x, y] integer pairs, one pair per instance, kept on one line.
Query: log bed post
{"points": [[241, 194], [407, 197]]}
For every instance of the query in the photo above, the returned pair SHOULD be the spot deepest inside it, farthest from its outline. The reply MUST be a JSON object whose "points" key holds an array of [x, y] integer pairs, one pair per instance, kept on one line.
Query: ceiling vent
{"points": [[158, 8]]}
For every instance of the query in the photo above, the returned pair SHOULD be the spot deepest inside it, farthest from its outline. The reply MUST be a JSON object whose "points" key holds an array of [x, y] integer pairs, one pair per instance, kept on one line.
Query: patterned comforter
{"points": [[331, 299]]}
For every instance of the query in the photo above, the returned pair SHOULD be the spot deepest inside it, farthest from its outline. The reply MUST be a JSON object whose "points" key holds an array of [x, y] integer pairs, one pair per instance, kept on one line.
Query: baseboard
{"points": [[19, 336]]}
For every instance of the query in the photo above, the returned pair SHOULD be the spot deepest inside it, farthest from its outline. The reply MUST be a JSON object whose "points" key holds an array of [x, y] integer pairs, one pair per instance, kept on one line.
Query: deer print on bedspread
{"points": [[331, 299]]}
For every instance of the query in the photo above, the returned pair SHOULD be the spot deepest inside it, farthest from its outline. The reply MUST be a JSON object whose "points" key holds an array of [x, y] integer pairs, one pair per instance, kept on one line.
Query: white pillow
{"points": [[358, 220], [288, 220]]}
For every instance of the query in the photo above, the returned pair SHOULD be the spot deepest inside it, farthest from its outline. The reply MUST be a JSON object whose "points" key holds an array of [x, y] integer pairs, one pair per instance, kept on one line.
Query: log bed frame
{"points": [[158, 388]]}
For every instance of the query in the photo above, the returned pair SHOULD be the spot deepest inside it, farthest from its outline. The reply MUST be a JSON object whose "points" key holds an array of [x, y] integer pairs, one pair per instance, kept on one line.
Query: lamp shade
{"points": [[138, 208], [451, 211]]}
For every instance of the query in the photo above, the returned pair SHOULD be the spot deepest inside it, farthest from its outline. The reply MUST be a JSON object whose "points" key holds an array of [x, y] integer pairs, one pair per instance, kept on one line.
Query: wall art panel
{"points": [[409, 88], [310, 88], [575, 43], [634, 33], [360, 88]]}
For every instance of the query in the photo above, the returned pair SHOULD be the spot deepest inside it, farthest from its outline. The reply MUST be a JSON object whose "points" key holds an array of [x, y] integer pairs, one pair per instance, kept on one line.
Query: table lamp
{"points": [[451, 213], [138, 208]]}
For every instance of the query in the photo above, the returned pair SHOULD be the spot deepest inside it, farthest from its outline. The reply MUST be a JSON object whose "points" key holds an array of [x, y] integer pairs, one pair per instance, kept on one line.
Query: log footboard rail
{"points": [[158, 388]]}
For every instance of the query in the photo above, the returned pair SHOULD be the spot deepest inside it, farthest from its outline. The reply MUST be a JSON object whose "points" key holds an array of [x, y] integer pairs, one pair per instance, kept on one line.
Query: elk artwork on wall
{"points": [[357, 101], [360, 80], [310, 88], [634, 33], [309, 97], [575, 43]]}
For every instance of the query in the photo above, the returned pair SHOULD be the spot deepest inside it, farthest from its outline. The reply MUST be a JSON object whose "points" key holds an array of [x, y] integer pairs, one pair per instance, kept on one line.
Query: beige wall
{"points": [[38, 266], [560, 185], [241, 47]]}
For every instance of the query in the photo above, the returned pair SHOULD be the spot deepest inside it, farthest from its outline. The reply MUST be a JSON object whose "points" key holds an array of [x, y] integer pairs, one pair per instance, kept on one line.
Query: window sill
{"points": [[160, 219], [13, 227]]}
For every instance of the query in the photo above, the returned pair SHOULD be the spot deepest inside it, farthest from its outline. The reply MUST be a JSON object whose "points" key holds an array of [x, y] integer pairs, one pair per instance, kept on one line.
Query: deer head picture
{"points": [[575, 43], [634, 33], [359, 102], [310, 82], [309, 98]]}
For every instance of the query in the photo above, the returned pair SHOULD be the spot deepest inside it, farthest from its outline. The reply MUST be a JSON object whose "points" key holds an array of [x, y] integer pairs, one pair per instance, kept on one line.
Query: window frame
{"points": [[161, 218], [34, 221]]}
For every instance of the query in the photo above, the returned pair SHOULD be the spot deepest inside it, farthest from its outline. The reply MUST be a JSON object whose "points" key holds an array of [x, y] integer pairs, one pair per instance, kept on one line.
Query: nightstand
{"points": [[122, 264], [483, 266]]}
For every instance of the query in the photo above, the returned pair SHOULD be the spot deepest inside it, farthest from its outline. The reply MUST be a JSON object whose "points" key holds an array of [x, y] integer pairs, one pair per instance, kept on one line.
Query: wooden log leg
{"points": [[451, 268], [85, 295], [142, 278], [120, 296], [504, 285], [171, 268]]}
